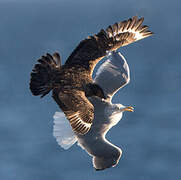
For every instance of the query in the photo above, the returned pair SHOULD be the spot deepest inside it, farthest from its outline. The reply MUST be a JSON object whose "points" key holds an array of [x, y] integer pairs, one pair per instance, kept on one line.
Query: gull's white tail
{"points": [[62, 131]]}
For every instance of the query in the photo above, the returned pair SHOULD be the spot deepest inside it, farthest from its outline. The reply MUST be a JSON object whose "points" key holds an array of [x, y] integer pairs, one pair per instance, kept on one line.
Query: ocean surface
{"points": [[150, 138]]}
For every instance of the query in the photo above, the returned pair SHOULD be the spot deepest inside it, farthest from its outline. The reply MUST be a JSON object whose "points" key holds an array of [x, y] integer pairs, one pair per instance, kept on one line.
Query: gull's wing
{"points": [[94, 48], [113, 74], [62, 131]]}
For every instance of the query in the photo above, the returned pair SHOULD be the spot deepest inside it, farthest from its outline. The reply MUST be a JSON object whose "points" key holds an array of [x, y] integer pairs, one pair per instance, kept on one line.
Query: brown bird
{"points": [[72, 82]]}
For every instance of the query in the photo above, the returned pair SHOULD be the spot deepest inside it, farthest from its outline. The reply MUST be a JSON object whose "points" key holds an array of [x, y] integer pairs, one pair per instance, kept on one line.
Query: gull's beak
{"points": [[129, 108]]}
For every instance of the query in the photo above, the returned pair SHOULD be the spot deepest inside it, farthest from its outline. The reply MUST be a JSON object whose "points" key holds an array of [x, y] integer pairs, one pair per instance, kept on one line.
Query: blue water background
{"points": [[150, 137]]}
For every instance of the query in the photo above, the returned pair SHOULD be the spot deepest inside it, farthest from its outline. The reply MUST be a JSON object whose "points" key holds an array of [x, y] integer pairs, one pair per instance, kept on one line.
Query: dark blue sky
{"points": [[149, 137]]}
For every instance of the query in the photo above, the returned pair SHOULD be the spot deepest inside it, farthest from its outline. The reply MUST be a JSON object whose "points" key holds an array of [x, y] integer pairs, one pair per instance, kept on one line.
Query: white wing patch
{"points": [[133, 26], [137, 34], [62, 131]]}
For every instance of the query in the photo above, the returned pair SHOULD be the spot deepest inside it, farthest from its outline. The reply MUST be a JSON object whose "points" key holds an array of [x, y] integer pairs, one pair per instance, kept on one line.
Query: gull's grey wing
{"points": [[113, 74]]}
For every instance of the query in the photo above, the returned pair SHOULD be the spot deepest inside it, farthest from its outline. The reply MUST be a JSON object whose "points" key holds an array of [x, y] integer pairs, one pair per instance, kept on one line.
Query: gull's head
{"points": [[123, 108], [116, 111]]}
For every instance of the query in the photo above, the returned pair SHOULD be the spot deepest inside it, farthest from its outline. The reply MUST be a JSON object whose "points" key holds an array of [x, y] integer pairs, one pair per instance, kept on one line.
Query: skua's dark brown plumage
{"points": [[72, 82]]}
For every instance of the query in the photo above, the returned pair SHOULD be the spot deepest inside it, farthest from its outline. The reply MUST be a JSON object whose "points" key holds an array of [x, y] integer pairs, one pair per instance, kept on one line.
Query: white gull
{"points": [[112, 75]]}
